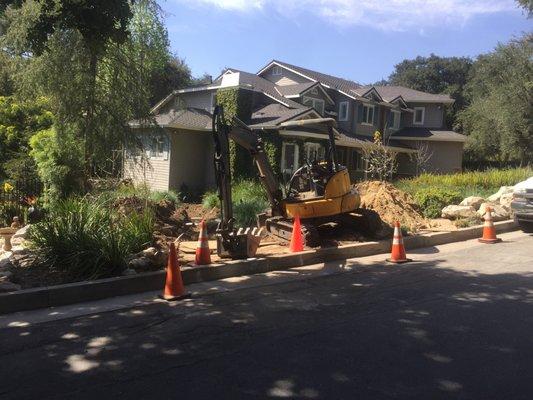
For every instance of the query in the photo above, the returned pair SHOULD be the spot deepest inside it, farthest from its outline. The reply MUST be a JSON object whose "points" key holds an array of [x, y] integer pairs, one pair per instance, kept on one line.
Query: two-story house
{"points": [[178, 145]]}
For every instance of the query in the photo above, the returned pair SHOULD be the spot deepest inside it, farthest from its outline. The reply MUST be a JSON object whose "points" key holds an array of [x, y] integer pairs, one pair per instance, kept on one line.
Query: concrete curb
{"points": [[72, 293]]}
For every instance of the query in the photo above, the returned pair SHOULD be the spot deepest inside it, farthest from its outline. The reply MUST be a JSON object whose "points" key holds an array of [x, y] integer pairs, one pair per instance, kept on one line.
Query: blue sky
{"points": [[360, 40]]}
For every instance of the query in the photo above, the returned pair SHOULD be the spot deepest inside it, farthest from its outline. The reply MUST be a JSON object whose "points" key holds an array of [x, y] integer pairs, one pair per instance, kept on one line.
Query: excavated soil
{"points": [[391, 204]]}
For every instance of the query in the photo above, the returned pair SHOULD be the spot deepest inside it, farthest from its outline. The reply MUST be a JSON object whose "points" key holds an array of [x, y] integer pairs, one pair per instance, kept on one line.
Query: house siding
{"points": [[153, 173], [447, 157], [286, 77], [347, 126], [364, 129], [433, 116]]}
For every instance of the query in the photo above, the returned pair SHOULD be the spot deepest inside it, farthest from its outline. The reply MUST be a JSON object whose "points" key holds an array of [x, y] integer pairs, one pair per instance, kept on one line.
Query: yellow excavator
{"points": [[319, 192]]}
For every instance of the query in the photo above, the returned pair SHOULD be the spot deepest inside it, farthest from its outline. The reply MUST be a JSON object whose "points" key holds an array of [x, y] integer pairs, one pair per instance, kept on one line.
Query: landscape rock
{"points": [[496, 196], [505, 201], [22, 232], [150, 252], [9, 287], [499, 213], [454, 212], [473, 201], [158, 257], [141, 264]]}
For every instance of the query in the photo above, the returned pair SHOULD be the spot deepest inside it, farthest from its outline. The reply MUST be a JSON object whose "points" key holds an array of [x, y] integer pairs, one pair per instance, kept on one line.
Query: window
{"points": [[276, 70], [289, 158], [343, 111], [314, 152], [368, 115], [213, 100], [358, 163], [341, 155], [394, 121], [418, 116], [317, 104], [156, 146]]}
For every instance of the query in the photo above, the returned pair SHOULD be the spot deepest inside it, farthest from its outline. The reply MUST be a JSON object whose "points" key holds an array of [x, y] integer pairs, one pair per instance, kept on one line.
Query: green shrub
{"points": [[483, 180], [249, 199], [84, 238], [142, 192], [433, 200]]}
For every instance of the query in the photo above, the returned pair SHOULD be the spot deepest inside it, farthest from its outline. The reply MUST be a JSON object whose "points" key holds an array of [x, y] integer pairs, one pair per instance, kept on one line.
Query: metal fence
{"points": [[16, 198]]}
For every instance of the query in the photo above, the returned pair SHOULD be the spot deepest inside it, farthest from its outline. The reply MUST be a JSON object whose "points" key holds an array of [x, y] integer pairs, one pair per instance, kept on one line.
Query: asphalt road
{"points": [[456, 324]]}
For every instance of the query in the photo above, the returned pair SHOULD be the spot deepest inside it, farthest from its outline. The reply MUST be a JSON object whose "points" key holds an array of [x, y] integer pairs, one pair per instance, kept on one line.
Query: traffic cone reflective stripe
{"points": [[398, 250], [174, 289], [203, 254], [297, 241], [489, 231]]}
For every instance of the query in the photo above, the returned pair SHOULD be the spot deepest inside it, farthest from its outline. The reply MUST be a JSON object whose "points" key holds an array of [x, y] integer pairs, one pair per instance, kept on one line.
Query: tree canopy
{"points": [[499, 116], [99, 64], [437, 75]]}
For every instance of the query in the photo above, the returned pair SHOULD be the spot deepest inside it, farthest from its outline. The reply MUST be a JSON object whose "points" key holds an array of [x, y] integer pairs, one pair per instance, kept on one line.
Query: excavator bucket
{"points": [[239, 244]]}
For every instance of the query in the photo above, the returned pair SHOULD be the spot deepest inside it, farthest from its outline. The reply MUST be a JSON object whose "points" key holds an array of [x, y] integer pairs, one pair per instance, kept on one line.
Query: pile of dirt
{"points": [[391, 204], [197, 211]]}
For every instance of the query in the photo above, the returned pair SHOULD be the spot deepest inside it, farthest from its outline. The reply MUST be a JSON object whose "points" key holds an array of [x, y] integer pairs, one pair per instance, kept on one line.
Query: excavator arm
{"points": [[244, 243]]}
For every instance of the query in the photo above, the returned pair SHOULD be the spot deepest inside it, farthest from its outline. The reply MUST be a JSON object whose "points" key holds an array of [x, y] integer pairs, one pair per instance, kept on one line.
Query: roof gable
{"points": [[344, 86]]}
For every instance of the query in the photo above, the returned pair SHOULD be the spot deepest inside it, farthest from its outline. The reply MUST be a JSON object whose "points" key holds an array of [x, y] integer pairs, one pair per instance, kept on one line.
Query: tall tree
{"points": [[500, 91], [92, 109], [526, 5], [437, 75], [34, 26]]}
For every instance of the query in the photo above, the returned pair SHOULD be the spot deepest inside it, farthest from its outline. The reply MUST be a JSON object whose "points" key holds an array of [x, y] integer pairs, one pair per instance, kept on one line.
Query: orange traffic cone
{"points": [[203, 254], [174, 289], [398, 250], [489, 232], [297, 241]]}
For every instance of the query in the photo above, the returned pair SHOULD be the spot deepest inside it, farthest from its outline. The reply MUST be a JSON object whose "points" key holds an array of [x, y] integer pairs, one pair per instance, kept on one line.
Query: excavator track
{"points": [[361, 220], [282, 228]]}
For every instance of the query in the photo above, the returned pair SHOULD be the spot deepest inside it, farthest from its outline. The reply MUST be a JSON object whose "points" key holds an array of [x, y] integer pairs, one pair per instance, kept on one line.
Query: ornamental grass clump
{"points": [[85, 238]]}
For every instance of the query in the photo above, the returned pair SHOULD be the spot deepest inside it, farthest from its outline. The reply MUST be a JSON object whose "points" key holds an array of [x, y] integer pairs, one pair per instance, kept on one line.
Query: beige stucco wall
{"points": [[191, 161]]}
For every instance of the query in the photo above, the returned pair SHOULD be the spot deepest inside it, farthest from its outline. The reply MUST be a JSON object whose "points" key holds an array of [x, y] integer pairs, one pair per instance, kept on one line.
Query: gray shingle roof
{"points": [[333, 82], [409, 95], [260, 84], [294, 90], [274, 114], [363, 140], [190, 118], [429, 134]]}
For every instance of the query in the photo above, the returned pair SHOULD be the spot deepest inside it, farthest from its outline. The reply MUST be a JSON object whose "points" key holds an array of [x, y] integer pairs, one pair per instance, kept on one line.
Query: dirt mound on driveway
{"points": [[391, 204]]}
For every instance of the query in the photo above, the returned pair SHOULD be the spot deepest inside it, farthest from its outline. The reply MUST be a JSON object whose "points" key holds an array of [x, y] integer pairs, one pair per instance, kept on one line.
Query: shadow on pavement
{"points": [[414, 331]]}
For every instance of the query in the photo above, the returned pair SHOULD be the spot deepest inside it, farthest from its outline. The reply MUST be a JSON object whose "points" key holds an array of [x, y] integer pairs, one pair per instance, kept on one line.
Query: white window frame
{"points": [[276, 70], [367, 112], [164, 141], [423, 115], [284, 160], [344, 117], [317, 148], [213, 95], [396, 121], [314, 103]]}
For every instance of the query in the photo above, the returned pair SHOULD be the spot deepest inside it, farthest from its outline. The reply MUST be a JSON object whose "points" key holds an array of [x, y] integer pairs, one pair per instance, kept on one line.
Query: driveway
{"points": [[455, 324]]}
